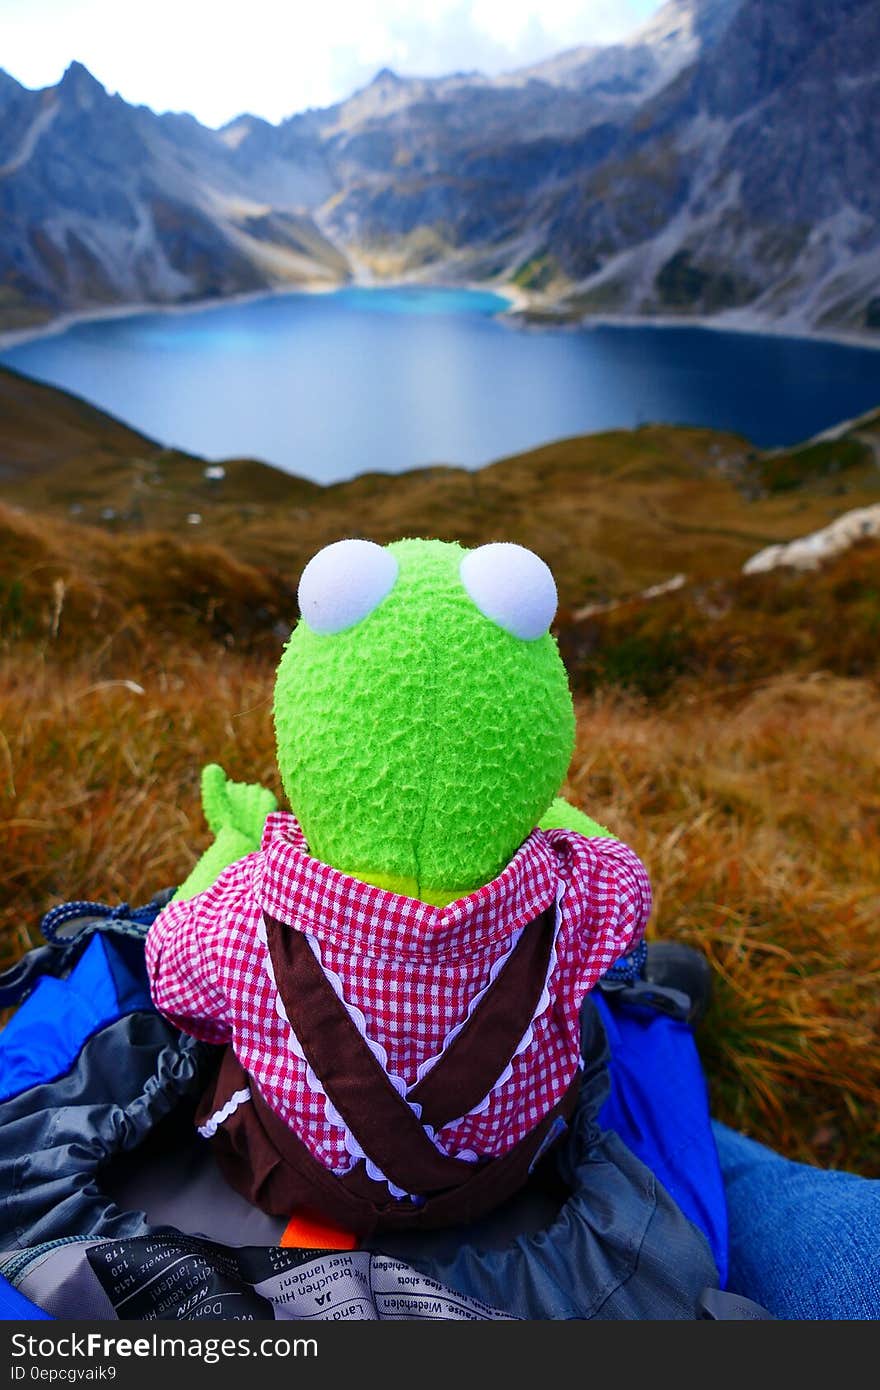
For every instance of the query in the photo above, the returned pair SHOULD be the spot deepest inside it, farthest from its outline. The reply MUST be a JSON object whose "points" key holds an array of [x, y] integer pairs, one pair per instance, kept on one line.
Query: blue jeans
{"points": [[804, 1242]]}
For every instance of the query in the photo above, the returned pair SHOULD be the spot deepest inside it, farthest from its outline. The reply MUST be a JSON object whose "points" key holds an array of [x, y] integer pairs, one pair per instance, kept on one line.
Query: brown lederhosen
{"points": [[263, 1159]]}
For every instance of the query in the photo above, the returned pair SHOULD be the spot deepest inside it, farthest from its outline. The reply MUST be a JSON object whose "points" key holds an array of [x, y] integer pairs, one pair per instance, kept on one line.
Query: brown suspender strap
{"points": [[376, 1114], [477, 1056], [262, 1158], [356, 1084]]}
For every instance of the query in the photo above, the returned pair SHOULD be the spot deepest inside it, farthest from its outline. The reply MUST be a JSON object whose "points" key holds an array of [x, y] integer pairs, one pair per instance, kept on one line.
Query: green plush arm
{"points": [[236, 812], [561, 815]]}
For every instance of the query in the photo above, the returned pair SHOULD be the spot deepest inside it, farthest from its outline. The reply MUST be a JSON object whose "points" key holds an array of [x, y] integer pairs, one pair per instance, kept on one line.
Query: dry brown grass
{"points": [[99, 776], [72, 592], [759, 821], [758, 817]]}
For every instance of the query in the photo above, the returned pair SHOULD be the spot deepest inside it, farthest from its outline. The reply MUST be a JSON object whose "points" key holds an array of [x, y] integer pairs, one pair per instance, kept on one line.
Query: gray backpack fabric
{"points": [[106, 1159]]}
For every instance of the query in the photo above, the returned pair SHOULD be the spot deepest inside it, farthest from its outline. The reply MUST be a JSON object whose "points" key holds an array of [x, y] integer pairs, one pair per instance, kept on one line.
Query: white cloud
{"points": [[217, 58]]}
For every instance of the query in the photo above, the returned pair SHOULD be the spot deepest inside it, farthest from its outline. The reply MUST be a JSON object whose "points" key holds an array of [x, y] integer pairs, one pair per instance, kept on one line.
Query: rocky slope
{"points": [[763, 157], [723, 161], [102, 203]]}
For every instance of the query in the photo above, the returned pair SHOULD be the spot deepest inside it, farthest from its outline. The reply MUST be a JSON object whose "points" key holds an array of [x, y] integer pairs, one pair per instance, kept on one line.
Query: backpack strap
{"points": [[381, 1119], [73, 921], [68, 929]]}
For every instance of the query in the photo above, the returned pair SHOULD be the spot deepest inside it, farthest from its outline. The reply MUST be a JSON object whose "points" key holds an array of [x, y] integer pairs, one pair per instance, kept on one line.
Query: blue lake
{"points": [[332, 385]]}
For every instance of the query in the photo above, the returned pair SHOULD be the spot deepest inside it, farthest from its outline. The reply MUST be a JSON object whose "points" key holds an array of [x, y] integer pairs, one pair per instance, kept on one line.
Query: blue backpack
{"points": [[110, 1206]]}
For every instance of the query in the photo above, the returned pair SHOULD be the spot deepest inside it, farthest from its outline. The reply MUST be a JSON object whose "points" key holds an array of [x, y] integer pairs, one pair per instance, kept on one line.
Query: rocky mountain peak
{"points": [[79, 87], [387, 77]]}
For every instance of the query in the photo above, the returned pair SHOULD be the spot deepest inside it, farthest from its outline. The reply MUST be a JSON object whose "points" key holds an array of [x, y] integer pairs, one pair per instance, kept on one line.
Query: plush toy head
{"points": [[422, 712]]}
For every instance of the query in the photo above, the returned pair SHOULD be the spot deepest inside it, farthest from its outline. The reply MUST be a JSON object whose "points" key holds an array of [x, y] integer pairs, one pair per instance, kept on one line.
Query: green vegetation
{"points": [[683, 285], [537, 273], [792, 468]]}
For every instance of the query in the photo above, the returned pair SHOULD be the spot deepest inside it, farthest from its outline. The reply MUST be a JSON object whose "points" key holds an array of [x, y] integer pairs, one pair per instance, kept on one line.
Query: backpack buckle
{"points": [[642, 994]]}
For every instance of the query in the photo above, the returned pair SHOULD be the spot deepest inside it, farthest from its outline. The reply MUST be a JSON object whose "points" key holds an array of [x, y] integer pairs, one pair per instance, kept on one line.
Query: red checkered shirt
{"points": [[408, 973]]}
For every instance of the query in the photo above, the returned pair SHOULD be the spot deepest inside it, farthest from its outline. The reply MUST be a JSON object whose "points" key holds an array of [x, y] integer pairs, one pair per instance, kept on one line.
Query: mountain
{"points": [[447, 174], [722, 161], [104, 203], [760, 166]]}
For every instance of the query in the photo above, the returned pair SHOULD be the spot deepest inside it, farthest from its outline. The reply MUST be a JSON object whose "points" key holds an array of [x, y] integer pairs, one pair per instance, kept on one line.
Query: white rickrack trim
{"points": [[357, 1017], [431, 1062], [331, 1114], [210, 1127], [378, 1051], [542, 1006], [357, 1154]]}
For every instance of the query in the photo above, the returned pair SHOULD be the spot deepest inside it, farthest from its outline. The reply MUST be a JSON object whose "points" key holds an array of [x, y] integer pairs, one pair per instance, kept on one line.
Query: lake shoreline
{"points": [[16, 337], [521, 313], [263, 378], [533, 319]]}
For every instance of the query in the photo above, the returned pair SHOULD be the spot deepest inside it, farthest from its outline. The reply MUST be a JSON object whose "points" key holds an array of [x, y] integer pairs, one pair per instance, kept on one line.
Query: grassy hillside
{"points": [[730, 634], [724, 729], [611, 513]]}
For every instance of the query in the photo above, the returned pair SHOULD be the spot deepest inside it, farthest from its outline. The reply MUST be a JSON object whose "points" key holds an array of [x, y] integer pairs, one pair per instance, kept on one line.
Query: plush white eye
{"points": [[343, 583], [512, 586]]}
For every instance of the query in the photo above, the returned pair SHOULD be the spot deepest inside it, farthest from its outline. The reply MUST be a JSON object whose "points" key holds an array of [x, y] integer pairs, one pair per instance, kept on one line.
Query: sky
{"points": [[218, 58]]}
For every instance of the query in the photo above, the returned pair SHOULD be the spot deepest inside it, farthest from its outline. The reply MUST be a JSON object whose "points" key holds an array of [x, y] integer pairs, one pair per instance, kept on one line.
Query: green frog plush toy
{"points": [[396, 968]]}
